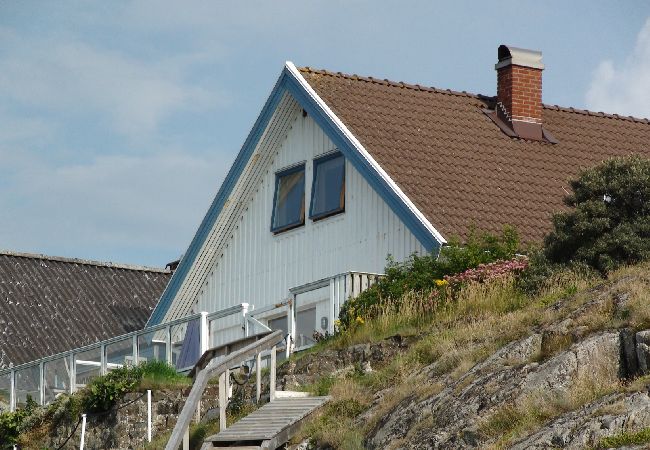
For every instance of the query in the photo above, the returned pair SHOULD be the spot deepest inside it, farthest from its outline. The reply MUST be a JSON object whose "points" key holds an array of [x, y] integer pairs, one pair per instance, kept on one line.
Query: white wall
{"points": [[258, 268]]}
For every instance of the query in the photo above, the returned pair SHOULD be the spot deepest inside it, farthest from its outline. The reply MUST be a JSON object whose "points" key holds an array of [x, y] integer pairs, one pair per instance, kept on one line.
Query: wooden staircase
{"points": [[268, 427]]}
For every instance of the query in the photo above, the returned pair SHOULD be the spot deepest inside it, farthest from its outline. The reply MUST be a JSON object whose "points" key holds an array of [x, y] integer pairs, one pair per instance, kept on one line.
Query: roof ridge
{"points": [[89, 262], [387, 82]]}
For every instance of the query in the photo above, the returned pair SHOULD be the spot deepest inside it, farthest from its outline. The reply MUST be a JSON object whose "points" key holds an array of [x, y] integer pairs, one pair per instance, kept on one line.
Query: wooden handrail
{"points": [[214, 368]]}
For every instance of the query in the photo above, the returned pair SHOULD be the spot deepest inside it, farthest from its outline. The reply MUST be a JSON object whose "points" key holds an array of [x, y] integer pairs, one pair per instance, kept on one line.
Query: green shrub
{"points": [[625, 439], [609, 221], [103, 392], [10, 423], [420, 273]]}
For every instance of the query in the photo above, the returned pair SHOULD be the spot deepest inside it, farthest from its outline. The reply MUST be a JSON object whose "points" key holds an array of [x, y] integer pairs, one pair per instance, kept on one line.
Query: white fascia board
{"points": [[291, 68]]}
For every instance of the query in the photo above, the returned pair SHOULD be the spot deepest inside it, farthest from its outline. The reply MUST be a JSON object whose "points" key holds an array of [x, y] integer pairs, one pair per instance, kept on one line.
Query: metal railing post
{"points": [[73, 374], [83, 431], [102, 359], [204, 333], [168, 346], [12, 395], [333, 312], [244, 313], [135, 349], [41, 383]]}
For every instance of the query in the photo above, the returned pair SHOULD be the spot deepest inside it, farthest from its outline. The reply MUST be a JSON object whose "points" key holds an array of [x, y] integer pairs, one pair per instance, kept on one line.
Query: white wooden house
{"points": [[340, 171], [305, 218]]}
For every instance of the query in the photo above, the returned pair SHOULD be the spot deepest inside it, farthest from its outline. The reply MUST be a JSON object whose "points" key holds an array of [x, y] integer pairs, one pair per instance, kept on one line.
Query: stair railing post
{"points": [[272, 375], [291, 325], [148, 415], [186, 439], [222, 401], [258, 381]]}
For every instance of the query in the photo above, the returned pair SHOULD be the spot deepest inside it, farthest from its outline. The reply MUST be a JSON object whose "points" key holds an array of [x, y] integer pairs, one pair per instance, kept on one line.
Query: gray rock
{"points": [[588, 425], [628, 351], [643, 356]]}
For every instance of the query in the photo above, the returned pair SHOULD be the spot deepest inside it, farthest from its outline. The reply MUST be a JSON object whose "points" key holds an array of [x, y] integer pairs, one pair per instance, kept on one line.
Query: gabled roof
{"points": [[457, 166], [50, 304]]}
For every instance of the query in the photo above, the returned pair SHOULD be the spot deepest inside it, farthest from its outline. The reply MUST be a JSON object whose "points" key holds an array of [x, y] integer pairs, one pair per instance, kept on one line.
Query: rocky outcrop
{"points": [[506, 377], [578, 355], [610, 415]]}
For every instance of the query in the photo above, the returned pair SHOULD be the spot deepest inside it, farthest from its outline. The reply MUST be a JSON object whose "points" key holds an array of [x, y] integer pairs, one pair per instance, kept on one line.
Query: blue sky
{"points": [[120, 119]]}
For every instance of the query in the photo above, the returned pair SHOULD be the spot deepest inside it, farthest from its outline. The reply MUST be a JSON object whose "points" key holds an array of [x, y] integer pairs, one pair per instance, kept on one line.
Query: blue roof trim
{"points": [[217, 204], [287, 82]]}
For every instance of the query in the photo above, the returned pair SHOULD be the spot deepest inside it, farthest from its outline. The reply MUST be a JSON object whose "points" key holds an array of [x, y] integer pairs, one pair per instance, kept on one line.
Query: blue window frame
{"points": [[289, 199], [328, 186]]}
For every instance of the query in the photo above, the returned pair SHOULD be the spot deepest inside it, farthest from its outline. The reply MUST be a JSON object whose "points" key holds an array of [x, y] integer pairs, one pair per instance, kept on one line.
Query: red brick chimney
{"points": [[519, 91]]}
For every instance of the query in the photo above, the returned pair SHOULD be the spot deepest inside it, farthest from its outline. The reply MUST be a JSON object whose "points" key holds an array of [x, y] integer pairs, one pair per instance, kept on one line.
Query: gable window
{"points": [[328, 188], [289, 199]]}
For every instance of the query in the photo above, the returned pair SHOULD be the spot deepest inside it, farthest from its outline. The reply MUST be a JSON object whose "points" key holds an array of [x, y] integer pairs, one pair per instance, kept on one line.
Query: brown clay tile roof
{"points": [[458, 167], [49, 304]]}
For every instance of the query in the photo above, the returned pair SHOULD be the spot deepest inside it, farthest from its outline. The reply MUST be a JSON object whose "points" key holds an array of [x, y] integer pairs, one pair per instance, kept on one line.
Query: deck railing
{"points": [[180, 342]]}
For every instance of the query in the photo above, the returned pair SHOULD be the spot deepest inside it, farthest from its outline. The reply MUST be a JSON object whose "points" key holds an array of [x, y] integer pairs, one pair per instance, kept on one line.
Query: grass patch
{"points": [[623, 439]]}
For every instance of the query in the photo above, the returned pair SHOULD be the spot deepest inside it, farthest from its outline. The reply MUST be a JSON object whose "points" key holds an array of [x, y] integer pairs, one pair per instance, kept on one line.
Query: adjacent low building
{"points": [[49, 304]]}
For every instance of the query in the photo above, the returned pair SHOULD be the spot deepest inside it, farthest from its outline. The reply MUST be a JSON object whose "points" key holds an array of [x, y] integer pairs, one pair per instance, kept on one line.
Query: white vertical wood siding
{"points": [[258, 267]]}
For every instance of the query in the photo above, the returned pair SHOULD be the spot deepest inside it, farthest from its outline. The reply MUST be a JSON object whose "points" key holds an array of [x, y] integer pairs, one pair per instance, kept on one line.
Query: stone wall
{"points": [[126, 426]]}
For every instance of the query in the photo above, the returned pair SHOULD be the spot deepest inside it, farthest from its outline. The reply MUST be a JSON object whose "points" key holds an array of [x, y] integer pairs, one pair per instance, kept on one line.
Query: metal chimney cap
{"points": [[509, 55]]}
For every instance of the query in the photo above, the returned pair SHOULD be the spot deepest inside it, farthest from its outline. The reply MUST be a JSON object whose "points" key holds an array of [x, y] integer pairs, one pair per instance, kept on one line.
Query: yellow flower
{"points": [[360, 320], [440, 283], [337, 323]]}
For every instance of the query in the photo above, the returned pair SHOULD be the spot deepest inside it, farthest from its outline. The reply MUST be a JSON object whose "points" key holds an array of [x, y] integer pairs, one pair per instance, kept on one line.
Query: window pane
{"points": [[88, 365], [186, 344], [57, 378], [279, 323], [289, 200], [152, 346], [27, 385], [329, 186], [119, 353], [305, 327]]}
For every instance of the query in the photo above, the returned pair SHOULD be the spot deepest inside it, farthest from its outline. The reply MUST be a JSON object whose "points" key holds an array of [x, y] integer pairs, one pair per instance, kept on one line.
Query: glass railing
{"points": [[180, 343]]}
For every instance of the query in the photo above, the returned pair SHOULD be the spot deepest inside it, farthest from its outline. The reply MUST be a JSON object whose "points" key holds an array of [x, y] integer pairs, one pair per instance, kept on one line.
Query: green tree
{"points": [[609, 221]]}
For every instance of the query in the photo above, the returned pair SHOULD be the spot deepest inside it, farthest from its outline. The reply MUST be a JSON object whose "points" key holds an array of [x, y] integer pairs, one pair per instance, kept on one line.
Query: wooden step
{"points": [[271, 426]]}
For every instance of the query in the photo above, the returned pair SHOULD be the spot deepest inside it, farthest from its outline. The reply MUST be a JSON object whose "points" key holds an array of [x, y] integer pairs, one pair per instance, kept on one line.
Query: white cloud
{"points": [[67, 76], [624, 87]]}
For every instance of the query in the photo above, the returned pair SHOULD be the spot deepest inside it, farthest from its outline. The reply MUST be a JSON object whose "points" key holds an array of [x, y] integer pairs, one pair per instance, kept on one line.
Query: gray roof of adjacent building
{"points": [[52, 304]]}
